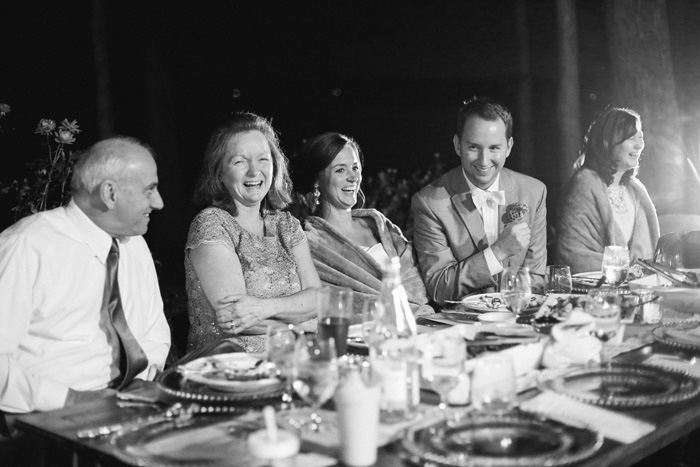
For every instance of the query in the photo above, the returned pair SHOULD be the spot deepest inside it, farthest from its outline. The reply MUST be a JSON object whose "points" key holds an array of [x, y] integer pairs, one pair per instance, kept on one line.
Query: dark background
{"points": [[390, 74]]}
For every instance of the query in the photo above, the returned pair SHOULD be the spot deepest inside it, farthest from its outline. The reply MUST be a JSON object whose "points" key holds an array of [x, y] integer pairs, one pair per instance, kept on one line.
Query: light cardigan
{"points": [[340, 261], [587, 224]]}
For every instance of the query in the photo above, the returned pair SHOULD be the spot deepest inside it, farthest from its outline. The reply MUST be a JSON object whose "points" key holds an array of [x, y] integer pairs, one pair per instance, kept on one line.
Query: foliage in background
{"points": [[48, 184], [391, 194]]}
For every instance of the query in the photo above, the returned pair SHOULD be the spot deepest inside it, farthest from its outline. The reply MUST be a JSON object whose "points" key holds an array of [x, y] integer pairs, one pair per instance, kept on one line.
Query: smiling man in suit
{"points": [[480, 217]]}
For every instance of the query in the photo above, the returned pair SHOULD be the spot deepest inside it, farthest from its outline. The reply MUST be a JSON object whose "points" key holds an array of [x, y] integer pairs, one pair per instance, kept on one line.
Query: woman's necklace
{"points": [[618, 200]]}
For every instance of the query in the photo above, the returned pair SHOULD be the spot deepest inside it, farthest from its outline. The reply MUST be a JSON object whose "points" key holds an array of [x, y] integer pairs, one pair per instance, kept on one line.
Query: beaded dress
{"points": [[268, 263]]}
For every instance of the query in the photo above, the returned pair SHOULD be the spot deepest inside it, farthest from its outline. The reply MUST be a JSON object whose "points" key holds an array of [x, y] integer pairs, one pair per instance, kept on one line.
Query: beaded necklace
{"points": [[616, 195]]}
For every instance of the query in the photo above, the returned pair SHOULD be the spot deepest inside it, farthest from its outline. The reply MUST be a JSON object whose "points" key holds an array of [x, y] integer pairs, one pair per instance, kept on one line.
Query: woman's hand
{"points": [[239, 313]]}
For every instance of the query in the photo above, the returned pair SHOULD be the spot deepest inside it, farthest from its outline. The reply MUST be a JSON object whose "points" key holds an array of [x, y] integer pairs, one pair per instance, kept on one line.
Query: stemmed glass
{"points": [[604, 306], [557, 279], [443, 364], [616, 264], [281, 339], [493, 384], [316, 373], [516, 288]]}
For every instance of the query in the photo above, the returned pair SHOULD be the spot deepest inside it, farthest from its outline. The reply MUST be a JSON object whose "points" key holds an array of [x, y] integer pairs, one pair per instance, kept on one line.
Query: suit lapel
{"points": [[464, 207]]}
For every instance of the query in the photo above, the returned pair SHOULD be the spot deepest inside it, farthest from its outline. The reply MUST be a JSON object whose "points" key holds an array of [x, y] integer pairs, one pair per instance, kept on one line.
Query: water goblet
{"points": [[516, 288], [280, 343], [557, 279], [493, 384], [604, 306], [442, 365], [316, 374], [335, 311], [616, 264]]}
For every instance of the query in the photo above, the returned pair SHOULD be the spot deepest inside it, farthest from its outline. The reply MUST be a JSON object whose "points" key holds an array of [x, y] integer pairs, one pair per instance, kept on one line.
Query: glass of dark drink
{"points": [[335, 311]]}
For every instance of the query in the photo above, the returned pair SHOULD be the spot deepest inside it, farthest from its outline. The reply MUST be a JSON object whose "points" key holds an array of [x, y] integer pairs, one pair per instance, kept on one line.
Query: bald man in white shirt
{"points": [[55, 348]]}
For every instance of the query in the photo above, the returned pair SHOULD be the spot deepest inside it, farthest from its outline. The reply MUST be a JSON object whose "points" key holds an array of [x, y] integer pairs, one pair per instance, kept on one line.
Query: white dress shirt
{"points": [[52, 278], [489, 215]]}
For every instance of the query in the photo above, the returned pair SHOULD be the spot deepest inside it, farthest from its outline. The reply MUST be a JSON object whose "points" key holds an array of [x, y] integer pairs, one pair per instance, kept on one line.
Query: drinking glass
{"points": [[281, 339], [604, 306], [443, 364], [335, 311], [616, 265], [516, 288], [493, 383], [316, 373], [370, 310], [557, 279]]}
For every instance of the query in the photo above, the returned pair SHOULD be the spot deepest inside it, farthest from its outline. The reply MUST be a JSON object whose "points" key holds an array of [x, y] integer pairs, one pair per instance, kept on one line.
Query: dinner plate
{"points": [[683, 335], [486, 302], [624, 385], [200, 441], [232, 372], [515, 439]]}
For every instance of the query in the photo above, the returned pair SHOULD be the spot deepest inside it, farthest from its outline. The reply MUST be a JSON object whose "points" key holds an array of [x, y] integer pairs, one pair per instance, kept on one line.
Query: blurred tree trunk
{"points": [[105, 118], [525, 144], [642, 79], [568, 104]]}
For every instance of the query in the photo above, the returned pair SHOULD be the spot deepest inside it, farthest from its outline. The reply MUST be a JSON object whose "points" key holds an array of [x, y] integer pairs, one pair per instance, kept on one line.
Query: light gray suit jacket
{"points": [[449, 234]]}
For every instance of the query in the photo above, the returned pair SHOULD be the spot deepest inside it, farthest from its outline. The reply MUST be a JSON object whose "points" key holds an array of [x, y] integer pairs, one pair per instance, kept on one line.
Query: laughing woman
{"points": [[350, 246], [606, 204], [246, 262]]}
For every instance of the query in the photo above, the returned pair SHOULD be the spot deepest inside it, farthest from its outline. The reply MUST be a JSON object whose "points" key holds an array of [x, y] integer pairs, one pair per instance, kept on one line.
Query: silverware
{"points": [[688, 279], [506, 341], [176, 411]]}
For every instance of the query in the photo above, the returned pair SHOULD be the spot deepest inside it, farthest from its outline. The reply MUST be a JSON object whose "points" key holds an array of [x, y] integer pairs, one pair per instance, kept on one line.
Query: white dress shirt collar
{"points": [[97, 239]]}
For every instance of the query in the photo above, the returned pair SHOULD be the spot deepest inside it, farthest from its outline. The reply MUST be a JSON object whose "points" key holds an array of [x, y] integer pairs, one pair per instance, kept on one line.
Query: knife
{"points": [[176, 410], [670, 274]]}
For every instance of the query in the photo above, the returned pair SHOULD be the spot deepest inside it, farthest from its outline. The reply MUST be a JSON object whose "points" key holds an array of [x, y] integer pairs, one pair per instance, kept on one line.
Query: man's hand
{"points": [[514, 239], [77, 397]]}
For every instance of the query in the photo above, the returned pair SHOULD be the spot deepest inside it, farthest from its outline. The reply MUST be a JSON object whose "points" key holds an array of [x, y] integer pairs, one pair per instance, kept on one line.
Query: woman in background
{"points": [[246, 262], [605, 203], [349, 246]]}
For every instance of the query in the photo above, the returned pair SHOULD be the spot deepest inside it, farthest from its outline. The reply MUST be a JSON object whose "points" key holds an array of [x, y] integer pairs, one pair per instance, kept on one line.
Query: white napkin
{"points": [[572, 343], [614, 425]]}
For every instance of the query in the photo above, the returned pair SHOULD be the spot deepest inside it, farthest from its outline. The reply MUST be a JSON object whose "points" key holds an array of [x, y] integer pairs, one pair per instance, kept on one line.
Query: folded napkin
{"points": [[613, 425], [572, 343]]}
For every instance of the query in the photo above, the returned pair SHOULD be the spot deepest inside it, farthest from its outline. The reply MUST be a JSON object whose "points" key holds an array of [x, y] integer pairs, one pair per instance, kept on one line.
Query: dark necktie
{"points": [[132, 360]]}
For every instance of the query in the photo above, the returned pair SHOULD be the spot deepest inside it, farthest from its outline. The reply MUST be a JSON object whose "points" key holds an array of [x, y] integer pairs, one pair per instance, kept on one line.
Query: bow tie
{"points": [[482, 198]]}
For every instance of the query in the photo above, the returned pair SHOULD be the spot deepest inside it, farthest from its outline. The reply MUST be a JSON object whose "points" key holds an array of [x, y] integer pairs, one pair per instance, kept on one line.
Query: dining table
{"points": [[671, 422]]}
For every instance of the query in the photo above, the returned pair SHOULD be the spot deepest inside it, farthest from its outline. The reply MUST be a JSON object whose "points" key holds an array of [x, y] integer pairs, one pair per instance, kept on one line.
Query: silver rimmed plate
{"points": [[174, 384], [515, 439], [486, 302], [624, 385], [200, 441], [685, 335]]}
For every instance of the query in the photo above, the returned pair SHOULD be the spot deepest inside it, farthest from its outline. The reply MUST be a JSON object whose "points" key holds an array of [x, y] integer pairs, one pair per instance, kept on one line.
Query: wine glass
{"points": [[616, 264], [516, 288], [557, 279], [493, 383], [443, 364], [604, 306], [316, 373], [281, 339], [335, 311]]}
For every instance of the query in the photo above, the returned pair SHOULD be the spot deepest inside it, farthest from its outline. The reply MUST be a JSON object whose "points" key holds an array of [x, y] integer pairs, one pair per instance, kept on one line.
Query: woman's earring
{"points": [[316, 194]]}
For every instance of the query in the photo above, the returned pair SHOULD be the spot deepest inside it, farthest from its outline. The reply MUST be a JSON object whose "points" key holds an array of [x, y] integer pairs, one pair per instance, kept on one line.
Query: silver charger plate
{"points": [[172, 383], [624, 385], [672, 334], [514, 439], [198, 442]]}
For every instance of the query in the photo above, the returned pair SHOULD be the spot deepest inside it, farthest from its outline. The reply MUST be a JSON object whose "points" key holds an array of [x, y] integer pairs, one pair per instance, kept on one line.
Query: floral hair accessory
{"points": [[515, 212]]}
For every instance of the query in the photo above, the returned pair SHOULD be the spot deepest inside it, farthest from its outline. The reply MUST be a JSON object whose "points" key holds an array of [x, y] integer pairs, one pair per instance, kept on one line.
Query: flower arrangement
{"points": [[49, 185]]}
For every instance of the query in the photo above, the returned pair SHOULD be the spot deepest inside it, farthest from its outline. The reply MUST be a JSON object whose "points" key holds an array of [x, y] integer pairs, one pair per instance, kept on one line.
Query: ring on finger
{"points": [[232, 324]]}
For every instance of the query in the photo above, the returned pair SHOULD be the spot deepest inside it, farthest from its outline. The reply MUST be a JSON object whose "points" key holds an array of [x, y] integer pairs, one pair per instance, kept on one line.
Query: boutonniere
{"points": [[515, 212]]}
